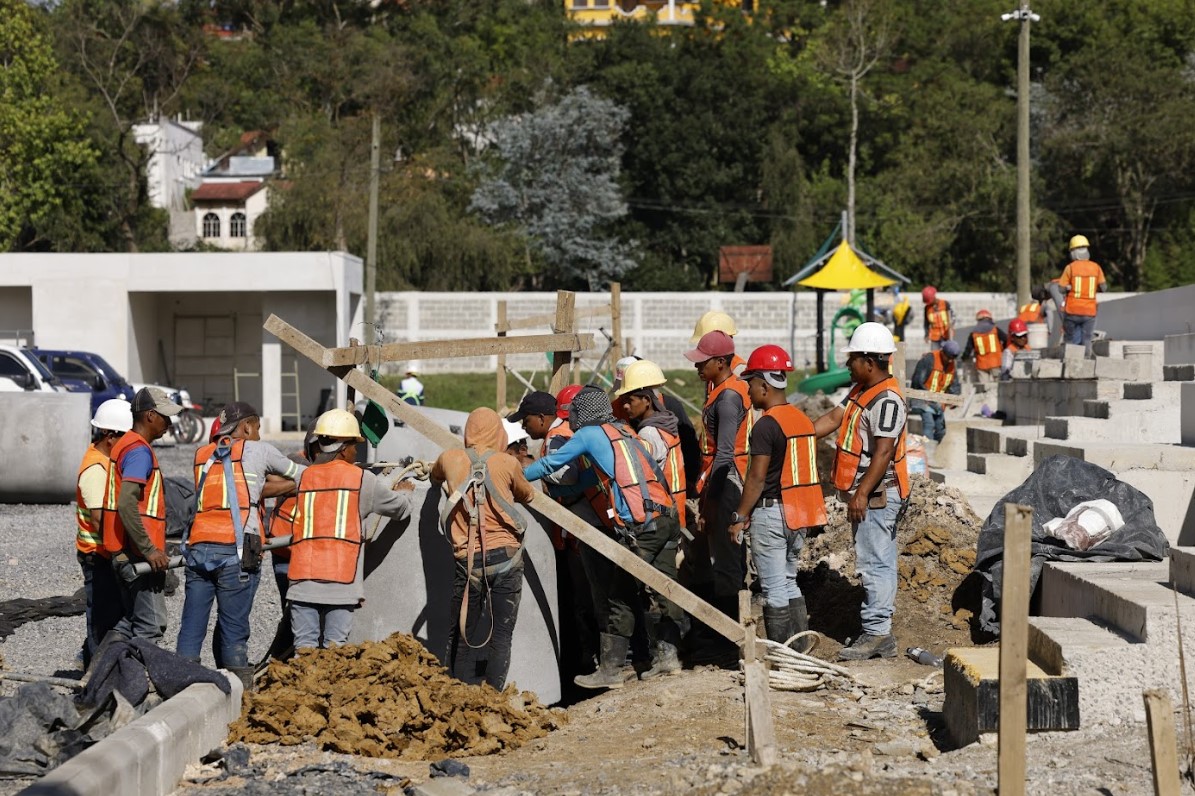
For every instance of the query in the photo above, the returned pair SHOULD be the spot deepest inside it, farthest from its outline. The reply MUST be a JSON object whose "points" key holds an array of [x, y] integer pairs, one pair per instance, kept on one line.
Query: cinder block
{"points": [[1096, 409], [1101, 348], [1016, 446], [1070, 351], [972, 705], [1178, 372], [1078, 369], [1122, 369], [1139, 391], [1047, 369], [1057, 427]]}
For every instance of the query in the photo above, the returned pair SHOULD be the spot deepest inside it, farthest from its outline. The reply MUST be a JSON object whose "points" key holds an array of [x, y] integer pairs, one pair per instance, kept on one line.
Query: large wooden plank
{"points": [[616, 321], [761, 729], [933, 397], [1014, 649], [565, 323], [547, 319], [449, 349], [602, 544], [1159, 717], [501, 385]]}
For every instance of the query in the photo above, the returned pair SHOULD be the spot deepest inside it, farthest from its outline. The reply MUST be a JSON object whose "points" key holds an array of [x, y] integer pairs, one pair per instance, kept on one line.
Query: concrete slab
{"points": [[1182, 569], [1130, 597], [45, 435], [149, 754], [1098, 659], [1000, 467], [1122, 369], [1173, 496], [1179, 349], [1156, 427]]}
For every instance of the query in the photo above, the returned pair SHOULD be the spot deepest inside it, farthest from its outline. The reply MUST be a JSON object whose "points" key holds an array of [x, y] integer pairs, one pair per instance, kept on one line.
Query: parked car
{"points": [[21, 370], [87, 371]]}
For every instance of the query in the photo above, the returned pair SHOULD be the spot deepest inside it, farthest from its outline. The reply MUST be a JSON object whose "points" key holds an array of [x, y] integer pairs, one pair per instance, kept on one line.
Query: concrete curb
{"points": [[148, 756]]}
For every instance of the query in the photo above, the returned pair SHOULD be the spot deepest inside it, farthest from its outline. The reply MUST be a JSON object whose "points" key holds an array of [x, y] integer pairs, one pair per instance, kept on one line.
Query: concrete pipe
{"points": [[45, 435]]}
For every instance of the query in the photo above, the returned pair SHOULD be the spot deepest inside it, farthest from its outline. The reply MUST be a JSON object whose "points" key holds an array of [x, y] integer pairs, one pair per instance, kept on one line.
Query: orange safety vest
{"points": [[674, 473], [213, 510], [1084, 278], [151, 507], [327, 524], [942, 375], [635, 476], [563, 430], [800, 488], [938, 320], [742, 439], [987, 349], [737, 366], [849, 456], [1032, 312], [282, 523], [89, 536]]}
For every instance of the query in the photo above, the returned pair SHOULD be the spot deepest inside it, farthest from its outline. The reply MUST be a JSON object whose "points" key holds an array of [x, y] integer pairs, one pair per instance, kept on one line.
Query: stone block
{"points": [[1078, 369], [1178, 372], [1070, 351], [972, 705], [1096, 409], [1057, 427], [45, 435], [1047, 369], [1139, 391], [1122, 369], [1016, 446]]}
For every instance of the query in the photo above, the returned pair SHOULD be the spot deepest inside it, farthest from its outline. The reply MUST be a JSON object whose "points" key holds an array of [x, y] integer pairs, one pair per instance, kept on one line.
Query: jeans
{"points": [[284, 637], [875, 561], [1077, 329], [309, 619], [214, 573], [933, 419], [483, 654], [142, 601], [103, 600], [775, 550]]}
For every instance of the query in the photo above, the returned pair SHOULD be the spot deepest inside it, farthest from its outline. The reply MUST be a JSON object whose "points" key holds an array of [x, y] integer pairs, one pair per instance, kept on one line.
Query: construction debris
{"points": [[388, 699]]}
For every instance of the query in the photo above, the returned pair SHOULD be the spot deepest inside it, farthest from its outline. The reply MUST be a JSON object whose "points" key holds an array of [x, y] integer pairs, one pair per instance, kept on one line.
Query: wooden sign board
{"points": [[754, 261]]}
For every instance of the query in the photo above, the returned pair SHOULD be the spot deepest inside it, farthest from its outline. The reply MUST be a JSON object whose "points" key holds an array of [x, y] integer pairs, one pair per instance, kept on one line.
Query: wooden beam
{"points": [[451, 349], [1014, 649], [501, 376], [536, 321], [761, 729], [565, 323], [616, 321], [933, 397], [601, 543], [898, 364], [1159, 718]]}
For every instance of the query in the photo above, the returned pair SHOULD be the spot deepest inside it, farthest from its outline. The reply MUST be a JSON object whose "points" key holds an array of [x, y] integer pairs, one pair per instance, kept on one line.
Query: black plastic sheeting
{"points": [[16, 612], [1057, 485], [131, 666]]}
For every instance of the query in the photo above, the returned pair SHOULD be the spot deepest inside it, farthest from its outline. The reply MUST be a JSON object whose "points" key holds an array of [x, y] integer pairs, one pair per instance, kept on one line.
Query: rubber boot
{"points": [[245, 675], [609, 672], [664, 659], [778, 623], [800, 616], [868, 646]]}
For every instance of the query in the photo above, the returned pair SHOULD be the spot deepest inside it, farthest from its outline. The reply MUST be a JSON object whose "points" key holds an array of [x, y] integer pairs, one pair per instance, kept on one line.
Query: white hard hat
{"points": [[414, 367], [514, 432], [338, 424], [870, 338], [115, 414]]}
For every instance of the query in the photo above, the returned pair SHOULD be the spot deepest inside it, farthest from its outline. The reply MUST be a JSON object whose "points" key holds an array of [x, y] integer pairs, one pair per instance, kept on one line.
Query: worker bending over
{"points": [[871, 476], [935, 372], [986, 344], [782, 496]]}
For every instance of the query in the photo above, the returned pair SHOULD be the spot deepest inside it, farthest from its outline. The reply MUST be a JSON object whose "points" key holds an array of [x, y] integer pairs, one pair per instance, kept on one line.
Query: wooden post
{"points": [[616, 321], [565, 323], [350, 395], [898, 365], [758, 727], [1014, 649], [501, 329], [1159, 717]]}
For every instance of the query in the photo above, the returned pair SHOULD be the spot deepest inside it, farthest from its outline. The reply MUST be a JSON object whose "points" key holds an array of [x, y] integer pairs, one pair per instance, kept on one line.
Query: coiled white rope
{"points": [[789, 670]]}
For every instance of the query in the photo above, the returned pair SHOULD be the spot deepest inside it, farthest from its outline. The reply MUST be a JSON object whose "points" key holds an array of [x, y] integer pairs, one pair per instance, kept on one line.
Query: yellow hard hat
{"points": [[713, 321], [640, 375], [338, 424], [1079, 242]]}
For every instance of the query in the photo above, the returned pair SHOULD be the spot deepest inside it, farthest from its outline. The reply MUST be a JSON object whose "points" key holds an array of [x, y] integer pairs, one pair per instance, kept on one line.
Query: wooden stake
{"points": [[1014, 649], [565, 324], [759, 728], [501, 328], [616, 320], [1159, 718]]}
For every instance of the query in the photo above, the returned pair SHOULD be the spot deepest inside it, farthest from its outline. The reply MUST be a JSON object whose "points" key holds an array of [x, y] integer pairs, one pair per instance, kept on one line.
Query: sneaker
{"points": [[869, 646]]}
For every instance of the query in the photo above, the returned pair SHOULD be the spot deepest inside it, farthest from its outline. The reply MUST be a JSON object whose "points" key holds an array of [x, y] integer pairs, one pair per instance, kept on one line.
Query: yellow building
{"points": [[599, 14]]}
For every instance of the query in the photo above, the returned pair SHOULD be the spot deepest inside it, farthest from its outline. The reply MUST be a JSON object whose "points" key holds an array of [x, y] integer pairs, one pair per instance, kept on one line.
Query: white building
{"points": [[225, 213], [192, 320], [176, 161]]}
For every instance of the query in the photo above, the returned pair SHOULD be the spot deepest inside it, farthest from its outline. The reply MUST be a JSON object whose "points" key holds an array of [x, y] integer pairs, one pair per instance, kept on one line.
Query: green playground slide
{"points": [[845, 321]]}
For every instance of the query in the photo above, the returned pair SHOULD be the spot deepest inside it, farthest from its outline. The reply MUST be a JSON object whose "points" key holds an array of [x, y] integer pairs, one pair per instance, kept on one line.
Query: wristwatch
{"points": [[735, 518]]}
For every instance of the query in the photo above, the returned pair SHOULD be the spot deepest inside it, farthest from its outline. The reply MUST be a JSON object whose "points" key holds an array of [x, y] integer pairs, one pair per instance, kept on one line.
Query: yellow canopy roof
{"points": [[845, 270]]}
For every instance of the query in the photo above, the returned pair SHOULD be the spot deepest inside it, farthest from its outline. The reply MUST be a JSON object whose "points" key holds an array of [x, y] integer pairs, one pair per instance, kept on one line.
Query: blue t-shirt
{"points": [[136, 464], [590, 441]]}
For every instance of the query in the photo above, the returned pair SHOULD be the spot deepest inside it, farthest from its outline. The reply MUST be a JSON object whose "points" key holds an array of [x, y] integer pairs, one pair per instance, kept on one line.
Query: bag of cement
{"points": [[915, 454], [1087, 524]]}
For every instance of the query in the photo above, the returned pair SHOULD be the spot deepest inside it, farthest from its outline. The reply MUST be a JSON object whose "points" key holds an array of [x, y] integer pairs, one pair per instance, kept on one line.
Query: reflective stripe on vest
{"points": [[674, 473], [800, 487], [213, 514], [89, 536], [987, 349], [939, 320], [282, 522], [635, 478], [849, 456], [327, 523], [1084, 282], [1031, 312], [151, 507], [942, 375], [742, 438]]}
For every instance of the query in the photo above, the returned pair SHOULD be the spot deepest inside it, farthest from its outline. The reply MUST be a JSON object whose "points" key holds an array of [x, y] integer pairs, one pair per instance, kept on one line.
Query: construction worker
{"points": [[483, 482], [900, 314], [333, 498], [1080, 281], [134, 518], [935, 372], [112, 419], [690, 446], [727, 420], [871, 476], [643, 403], [718, 321], [1018, 340], [637, 510], [986, 344], [223, 546], [410, 389], [1034, 310], [939, 318], [516, 442], [782, 494]]}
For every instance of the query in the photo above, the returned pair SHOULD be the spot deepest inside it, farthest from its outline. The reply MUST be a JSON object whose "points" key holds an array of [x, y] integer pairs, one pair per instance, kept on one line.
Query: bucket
{"points": [[1039, 336], [1143, 355]]}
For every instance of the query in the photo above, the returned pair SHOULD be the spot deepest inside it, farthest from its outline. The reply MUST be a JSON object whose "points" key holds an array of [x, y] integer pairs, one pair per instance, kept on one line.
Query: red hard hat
{"points": [[1017, 326], [979, 316], [928, 294], [564, 399], [769, 357]]}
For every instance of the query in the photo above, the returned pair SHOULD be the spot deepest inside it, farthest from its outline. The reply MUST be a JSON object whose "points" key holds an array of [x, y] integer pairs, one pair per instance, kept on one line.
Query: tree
{"points": [[555, 176], [42, 148]]}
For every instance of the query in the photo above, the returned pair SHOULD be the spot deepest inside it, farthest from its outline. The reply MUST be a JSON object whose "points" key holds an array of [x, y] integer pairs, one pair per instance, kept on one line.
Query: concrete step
{"points": [[1000, 466], [1118, 369], [1097, 658], [1155, 427], [1012, 440], [1127, 409], [1158, 391], [1182, 569], [1178, 372], [1131, 598], [1117, 456]]}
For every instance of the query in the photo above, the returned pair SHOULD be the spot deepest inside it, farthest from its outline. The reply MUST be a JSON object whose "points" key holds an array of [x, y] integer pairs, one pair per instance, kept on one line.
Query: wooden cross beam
{"points": [[547, 319], [598, 541], [451, 349], [933, 397]]}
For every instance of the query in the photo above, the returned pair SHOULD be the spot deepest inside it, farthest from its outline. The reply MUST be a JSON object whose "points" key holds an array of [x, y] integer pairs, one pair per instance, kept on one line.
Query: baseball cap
{"points": [[534, 403], [712, 344], [235, 412], [775, 378], [153, 398]]}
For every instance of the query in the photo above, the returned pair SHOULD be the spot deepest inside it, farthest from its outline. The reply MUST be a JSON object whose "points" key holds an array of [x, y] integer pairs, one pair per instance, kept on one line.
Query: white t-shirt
{"points": [[885, 417]]}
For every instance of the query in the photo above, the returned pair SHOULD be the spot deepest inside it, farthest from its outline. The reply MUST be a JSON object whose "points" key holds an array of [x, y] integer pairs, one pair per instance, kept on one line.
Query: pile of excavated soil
{"points": [[387, 699]]}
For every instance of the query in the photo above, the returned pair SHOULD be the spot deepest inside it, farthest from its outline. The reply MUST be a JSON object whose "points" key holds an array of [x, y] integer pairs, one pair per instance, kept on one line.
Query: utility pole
{"points": [[371, 247], [1025, 16]]}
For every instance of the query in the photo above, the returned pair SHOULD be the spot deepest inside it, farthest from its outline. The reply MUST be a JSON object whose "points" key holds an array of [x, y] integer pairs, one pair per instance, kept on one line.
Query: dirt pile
{"points": [[387, 699]]}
